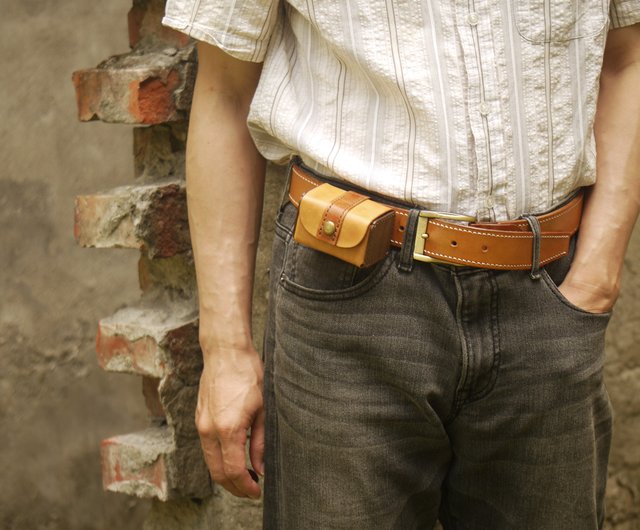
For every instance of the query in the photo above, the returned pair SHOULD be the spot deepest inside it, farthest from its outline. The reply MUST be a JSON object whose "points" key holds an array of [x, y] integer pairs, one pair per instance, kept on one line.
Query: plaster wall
{"points": [[55, 402]]}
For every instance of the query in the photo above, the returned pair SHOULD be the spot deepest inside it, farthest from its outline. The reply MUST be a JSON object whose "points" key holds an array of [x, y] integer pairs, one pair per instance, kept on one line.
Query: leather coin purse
{"points": [[344, 224]]}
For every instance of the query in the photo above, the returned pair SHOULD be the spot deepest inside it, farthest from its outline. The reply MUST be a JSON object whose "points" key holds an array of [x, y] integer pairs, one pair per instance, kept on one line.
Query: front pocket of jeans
{"points": [[313, 274], [554, 289], [557, 21]]}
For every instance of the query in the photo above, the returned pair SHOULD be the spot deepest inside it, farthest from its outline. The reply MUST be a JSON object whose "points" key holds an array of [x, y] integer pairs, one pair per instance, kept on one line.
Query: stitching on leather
{"points": [[326, 214], [347, 208], [561, 213], [295, 170], [449, 227], [546, 220], [499, 265], [296, 203]]}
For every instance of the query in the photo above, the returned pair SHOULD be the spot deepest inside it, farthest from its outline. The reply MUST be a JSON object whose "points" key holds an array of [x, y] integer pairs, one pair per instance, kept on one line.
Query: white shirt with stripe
{"points": [[480, 107]]}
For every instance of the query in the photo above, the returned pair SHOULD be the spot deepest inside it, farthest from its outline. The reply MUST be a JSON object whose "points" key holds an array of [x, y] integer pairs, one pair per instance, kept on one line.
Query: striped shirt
{"points": [[480, 107]]}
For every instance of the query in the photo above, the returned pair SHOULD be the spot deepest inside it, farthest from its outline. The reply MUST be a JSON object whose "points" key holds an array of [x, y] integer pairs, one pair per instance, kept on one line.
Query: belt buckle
{"points": [[422, 235]]}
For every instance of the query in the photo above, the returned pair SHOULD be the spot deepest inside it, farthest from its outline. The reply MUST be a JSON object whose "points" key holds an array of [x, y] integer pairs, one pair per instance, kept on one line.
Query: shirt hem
{"points": [[203, 34]]}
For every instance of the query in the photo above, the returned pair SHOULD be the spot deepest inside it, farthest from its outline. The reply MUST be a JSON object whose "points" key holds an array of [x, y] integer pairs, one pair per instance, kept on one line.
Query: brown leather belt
{"points": [[504, 245]]}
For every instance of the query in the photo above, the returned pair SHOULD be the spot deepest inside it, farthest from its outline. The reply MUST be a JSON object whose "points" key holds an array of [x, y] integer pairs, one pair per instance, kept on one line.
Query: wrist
{"points": [[598, 282], [215, 341]]}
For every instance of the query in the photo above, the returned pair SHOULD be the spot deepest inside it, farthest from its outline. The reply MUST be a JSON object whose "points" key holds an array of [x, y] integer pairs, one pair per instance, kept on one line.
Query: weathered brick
{"points": [[150, 464], [149, 217], [159, 151], [159, 340], [151, 88], [146, 30], [136, 463], [156, 338]]}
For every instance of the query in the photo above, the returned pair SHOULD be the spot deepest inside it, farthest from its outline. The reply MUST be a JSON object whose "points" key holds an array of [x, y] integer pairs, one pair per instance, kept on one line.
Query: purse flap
{"points": [[354, 225]]}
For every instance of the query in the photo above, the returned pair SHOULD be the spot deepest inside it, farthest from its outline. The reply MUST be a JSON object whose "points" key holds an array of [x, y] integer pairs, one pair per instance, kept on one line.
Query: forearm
{"points": [[225, 182], [612, 206]]}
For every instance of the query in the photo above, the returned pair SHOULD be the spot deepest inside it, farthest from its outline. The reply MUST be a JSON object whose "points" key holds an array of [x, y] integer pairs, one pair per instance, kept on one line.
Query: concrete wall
{"points": [[55, 403]]}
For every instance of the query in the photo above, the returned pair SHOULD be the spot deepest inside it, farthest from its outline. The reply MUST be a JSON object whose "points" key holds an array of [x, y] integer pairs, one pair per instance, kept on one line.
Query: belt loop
{"points": [[405, 263], [534, 224]]}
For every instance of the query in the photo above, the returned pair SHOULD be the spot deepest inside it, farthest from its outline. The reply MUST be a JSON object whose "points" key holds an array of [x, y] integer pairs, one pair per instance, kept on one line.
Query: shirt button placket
{"points": [[485, 178]]}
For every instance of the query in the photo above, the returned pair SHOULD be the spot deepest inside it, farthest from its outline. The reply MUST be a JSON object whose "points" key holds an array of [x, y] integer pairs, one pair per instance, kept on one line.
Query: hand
{"points": [[229, 403], [588, 296]]}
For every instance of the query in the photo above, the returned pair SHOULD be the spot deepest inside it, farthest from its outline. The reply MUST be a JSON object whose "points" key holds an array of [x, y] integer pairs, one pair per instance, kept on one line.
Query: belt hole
{"points": [[454, 243], [401, 228], [485, 248]]}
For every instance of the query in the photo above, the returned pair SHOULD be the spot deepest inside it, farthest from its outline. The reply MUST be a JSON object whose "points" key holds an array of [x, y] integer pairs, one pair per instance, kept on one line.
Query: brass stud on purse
{"points": [[344, 224]]}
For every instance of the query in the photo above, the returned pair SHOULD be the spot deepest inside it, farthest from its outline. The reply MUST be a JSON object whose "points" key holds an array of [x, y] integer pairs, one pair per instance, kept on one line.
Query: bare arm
{"points": [[611, 210], [225, 183]]}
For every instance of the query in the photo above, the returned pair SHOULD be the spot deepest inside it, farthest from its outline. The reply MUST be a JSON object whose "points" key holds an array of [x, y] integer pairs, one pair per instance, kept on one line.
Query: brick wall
{"points": [[156, 338]]}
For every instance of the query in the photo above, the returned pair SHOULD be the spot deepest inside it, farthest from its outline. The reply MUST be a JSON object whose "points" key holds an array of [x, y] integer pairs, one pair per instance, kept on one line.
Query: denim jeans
{"points": [[410, 392]]}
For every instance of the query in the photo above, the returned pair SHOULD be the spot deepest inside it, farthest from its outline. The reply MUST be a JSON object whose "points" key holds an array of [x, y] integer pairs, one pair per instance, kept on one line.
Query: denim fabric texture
{"points": [[407, 392]]}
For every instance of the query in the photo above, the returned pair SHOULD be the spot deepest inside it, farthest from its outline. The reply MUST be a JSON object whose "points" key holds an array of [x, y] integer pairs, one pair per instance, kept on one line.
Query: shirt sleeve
{"points": [[624, 13], [241, 28]]}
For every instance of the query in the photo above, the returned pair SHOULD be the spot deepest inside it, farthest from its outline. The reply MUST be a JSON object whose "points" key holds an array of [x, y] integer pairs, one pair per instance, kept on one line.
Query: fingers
{"points": [[224, 452], [256, 444], [213, 458], [234, 464], [229, 402]]}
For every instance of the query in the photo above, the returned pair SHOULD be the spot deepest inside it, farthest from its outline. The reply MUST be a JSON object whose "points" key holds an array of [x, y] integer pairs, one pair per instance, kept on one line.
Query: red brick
{"points": [[117, 353], [152, 218], [136, 464], [104, 221], [148, 463], [165, 225], [154, 339], [151, 100], [147, 89]]}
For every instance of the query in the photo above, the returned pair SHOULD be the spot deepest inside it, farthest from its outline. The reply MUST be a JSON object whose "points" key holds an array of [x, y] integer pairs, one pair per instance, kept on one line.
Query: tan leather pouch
{"points": [[345, 224]]}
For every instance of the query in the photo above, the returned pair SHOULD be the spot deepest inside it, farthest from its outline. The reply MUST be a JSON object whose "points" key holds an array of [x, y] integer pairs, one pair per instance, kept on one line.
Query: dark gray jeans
{"points": [[395, 397]]}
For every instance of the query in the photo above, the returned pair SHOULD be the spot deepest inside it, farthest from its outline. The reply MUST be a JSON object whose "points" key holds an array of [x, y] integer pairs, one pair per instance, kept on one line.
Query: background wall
{"points": [[55, 403]]}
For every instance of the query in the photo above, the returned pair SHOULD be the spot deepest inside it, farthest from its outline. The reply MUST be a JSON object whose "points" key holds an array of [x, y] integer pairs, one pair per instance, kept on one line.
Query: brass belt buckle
{"points": [[422, 235]]}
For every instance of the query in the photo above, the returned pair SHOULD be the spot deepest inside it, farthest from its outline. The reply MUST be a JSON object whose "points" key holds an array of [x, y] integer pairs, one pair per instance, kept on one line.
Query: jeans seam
{"points": [[458, 399], [495, 332]]}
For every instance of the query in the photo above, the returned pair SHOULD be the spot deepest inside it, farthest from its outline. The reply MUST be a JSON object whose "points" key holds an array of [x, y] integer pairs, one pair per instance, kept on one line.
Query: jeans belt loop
{"points": [[534, 224], [406, 261]]}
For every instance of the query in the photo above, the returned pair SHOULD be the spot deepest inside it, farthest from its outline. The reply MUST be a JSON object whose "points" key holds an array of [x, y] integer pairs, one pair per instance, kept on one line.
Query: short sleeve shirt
{"points": [[483, 108]]}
